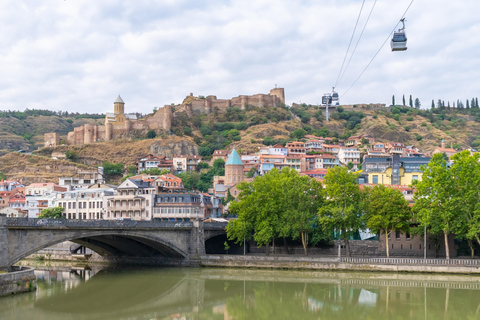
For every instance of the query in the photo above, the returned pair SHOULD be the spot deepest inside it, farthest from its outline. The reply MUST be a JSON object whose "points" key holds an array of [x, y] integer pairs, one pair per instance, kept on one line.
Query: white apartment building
{"points": [[84, 203], [346, 155], [134, 199]]}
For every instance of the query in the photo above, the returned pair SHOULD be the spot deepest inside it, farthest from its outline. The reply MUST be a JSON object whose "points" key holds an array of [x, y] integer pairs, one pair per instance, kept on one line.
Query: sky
{"points": [[79, 55]]}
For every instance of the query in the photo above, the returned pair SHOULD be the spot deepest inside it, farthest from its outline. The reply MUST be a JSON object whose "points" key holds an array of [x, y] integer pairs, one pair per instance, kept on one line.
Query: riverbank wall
{"points": [[398, 265], [21, 279]]}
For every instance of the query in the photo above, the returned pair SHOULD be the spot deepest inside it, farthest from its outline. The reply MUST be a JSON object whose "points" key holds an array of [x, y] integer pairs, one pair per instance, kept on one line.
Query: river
{"points": [[79, 292]]}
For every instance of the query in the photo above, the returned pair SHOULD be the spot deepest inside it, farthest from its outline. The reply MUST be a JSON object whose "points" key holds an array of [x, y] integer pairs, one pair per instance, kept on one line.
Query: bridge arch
{"points": [[120, 243]]}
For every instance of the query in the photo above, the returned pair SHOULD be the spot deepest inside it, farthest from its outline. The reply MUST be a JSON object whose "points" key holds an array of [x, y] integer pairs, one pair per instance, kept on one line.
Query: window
{"points": [[397, 235], [375, 179], [69, 205], [74, 205], [414, 178]]}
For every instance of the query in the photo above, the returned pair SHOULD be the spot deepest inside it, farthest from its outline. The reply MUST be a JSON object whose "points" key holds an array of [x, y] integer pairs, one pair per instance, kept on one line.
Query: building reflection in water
{"points": [[78, 293]]}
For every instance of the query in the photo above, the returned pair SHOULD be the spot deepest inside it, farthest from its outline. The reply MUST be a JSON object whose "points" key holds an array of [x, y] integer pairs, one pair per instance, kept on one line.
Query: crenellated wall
{"points": [[162, 119]]}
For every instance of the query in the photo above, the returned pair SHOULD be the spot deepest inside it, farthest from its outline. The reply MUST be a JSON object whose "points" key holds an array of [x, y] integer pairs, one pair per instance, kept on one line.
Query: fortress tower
{"points": [[119, 106], [118, 117]]}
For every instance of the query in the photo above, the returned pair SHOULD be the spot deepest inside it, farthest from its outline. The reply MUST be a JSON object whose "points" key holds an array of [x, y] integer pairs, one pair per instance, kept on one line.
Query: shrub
{"points": [[241, 126], [409, 118], [340, 109], [424, 124], [298, 134], [305, 118], [375, 116], [187, 131], [151, 134], [407, 128]]}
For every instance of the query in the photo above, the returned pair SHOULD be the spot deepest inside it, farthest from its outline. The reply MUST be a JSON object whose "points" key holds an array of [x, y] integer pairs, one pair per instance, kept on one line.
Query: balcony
{"points": [[125, 208]]}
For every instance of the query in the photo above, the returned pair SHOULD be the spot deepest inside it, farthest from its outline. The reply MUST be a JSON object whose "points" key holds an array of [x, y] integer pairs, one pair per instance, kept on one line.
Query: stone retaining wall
{"points": [[22, 279], [332, 263]]}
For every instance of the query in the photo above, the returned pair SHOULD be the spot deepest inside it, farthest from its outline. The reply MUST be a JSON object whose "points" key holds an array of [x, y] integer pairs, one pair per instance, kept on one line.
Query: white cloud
{"points": [[78, 55]]}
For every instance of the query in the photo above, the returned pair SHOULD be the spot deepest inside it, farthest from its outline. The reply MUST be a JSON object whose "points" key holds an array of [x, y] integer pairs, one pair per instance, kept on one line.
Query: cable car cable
{"points": [[358, 41], [388, 38], [346, 53]]}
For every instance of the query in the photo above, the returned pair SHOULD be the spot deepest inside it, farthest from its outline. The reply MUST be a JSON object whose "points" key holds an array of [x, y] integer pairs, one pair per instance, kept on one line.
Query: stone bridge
{"points": [[127, 239]]}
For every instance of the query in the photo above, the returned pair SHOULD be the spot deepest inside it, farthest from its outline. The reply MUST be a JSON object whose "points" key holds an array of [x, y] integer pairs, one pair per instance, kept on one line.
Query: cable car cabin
{"points": [[399, 41], [335, 96]]}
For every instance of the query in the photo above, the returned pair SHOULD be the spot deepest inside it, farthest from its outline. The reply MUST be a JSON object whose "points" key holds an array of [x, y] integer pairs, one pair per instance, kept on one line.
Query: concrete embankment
{"points": [[310, 263], [21, 279]]}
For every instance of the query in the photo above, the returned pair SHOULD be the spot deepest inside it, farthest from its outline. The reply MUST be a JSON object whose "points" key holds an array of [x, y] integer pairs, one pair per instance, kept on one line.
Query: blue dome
{"points": [[234, 159]]}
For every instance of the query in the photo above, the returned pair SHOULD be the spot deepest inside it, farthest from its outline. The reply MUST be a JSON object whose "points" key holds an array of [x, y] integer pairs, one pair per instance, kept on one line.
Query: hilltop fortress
{"points": [[118, 123]]}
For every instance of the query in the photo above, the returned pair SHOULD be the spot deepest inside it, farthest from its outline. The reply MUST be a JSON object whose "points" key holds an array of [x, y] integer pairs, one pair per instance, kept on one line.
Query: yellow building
{"points": [[395, 170], [405, 178]]}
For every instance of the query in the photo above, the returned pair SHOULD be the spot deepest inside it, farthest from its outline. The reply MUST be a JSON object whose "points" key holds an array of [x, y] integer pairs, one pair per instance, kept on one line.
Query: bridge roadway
{"points": [[173, 241]]}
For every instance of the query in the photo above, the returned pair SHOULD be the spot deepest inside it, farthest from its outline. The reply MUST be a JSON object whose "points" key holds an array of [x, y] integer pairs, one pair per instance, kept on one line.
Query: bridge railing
{"points": [[70, 223], [414, 261], [215, 225]]}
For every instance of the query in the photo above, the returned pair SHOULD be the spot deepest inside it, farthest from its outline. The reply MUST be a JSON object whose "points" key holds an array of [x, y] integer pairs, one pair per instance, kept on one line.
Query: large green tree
{"points": [[466, 173], [302, 196], [279, 204], [386, 211], [435, 199], [342, 209], [53, 213], [259, 210]]}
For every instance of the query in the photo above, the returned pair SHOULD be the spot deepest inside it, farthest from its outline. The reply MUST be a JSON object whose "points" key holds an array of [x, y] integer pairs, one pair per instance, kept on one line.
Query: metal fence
{"points": [[414, 261]]}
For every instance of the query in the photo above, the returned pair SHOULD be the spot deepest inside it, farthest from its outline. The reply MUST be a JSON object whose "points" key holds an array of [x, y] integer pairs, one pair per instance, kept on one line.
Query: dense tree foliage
{"points": [[342, 210], [52, 213], [386, 211], [278, 204], [446, 200], [110, 169]]}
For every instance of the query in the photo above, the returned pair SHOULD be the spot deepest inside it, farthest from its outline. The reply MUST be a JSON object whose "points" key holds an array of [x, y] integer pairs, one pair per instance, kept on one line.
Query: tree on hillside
{"points": [[393, 100], [435, 203], [433, 105], [417, 103], [110, 169], [298, 134], [468, 105], [151, 134], [411, 102], [156, 171], [342, 210], [52, 213], [387, 211], [403, 100]]}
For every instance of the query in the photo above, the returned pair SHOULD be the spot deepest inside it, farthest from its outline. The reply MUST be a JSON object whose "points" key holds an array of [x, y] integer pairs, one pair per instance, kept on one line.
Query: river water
{"points": [[79, 292]]}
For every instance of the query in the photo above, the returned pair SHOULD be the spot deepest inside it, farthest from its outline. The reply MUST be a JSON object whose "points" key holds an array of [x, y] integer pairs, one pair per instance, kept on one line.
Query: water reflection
{"points": [[86, 293]]}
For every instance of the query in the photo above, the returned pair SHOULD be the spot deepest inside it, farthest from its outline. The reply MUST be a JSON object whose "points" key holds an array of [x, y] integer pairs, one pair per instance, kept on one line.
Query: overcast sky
{"points": [[78, 55]]}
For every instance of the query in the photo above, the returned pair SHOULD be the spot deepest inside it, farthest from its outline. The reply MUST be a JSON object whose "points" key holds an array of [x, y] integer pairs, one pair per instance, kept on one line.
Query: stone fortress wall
{"points": [[162, 118], [90, 133]]}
